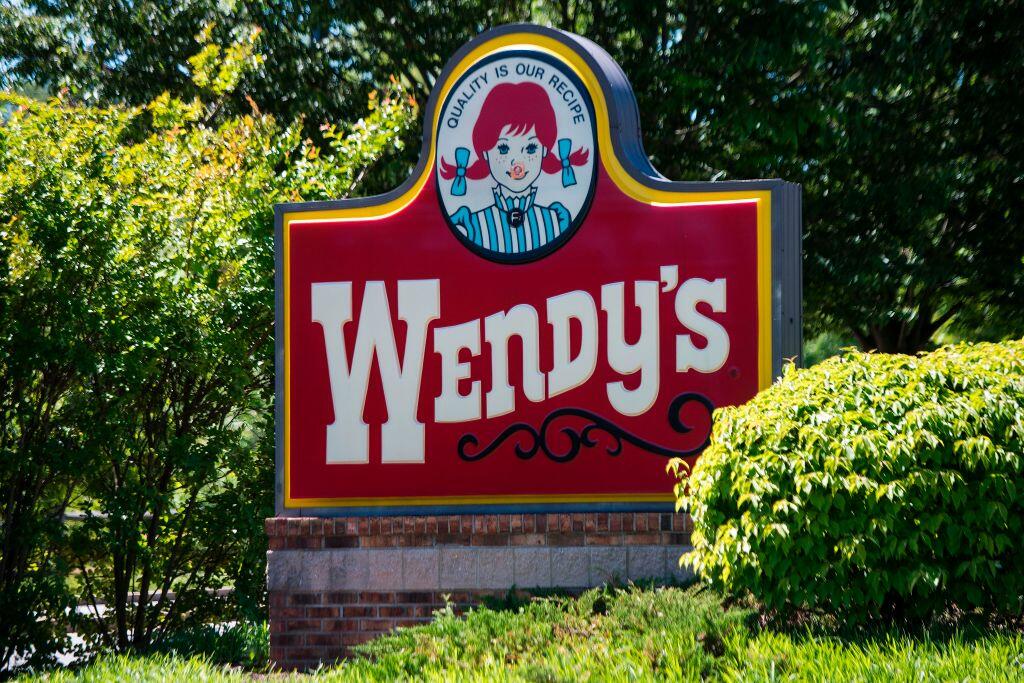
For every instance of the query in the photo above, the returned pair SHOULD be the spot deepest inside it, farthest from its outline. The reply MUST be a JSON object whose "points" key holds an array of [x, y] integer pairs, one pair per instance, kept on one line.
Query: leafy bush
{"points": [[870, 485], [242, 644], [606, 634], [136, 353]]}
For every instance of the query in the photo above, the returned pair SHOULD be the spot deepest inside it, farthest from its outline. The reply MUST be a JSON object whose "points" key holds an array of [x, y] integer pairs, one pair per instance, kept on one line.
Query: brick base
{"points": [[338, 582]]}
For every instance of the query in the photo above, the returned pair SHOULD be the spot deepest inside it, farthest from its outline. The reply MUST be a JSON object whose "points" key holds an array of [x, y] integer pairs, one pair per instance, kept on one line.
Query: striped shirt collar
{"points": [[503, 198]]}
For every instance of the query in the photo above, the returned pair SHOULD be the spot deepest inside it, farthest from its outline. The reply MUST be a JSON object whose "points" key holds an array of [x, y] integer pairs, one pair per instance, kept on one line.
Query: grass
{"points": [[628, 634], [157, 667]]}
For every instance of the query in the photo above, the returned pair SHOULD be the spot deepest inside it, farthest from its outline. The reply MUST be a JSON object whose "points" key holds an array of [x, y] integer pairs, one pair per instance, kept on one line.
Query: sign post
{"points": [[520, 336]]}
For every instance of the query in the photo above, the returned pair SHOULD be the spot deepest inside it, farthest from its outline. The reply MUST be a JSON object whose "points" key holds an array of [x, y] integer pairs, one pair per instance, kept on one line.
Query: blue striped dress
{"points": [[493, 227]]}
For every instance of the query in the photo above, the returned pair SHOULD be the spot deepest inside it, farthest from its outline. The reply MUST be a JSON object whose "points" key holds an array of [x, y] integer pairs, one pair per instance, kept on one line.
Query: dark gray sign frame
{"points": [[624, 123]]}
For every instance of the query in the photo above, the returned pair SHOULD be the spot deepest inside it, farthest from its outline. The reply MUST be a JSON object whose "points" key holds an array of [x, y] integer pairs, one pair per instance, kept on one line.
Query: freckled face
{"points": [[515, 160]]}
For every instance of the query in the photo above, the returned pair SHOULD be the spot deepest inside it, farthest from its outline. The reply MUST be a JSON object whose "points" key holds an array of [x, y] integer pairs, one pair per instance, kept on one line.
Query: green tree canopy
{"points": [[902, 120]]}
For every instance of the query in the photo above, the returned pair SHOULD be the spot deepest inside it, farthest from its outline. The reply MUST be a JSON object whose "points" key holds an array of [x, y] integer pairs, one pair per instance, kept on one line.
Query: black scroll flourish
{"points": [[578, 438], [511, 430]]}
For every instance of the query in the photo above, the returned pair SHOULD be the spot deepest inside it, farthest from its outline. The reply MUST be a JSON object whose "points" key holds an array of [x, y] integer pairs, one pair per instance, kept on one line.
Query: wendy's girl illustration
{"points": [[515, 140]]}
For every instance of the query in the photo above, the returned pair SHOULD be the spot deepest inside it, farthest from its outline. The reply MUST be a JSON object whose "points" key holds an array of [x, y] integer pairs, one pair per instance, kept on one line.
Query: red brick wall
{"points": [[316, 614], [309, 628], [592, 528]]}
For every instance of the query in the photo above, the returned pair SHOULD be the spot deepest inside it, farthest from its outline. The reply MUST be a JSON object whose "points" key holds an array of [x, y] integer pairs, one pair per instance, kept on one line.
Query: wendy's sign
{"points": [[536, 319]]}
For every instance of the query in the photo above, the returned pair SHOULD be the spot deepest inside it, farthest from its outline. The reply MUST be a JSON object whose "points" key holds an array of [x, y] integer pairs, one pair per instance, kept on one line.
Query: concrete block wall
{"points": [[338, 582]]}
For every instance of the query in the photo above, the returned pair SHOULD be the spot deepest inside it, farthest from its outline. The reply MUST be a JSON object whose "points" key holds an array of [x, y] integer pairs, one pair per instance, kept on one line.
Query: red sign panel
{"points": [[535, 318]]}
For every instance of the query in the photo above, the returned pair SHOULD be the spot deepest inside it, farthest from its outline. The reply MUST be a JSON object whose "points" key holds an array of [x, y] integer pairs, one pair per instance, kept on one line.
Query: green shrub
{"points": [[136, 354], [870, 485], [242, 644]]}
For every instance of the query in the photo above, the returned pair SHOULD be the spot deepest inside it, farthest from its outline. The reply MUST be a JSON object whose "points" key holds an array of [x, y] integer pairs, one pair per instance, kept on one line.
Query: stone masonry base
{"points": [[338, 582]]}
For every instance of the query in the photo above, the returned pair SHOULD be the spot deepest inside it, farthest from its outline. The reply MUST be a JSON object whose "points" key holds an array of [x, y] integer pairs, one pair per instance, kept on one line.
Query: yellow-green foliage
{"points": [[667, 634], [870, 483], [136, 352]]}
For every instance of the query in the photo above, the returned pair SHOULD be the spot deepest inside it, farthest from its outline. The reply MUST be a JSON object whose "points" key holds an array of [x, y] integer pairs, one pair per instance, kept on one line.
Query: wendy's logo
{"points": [[517, 152]]}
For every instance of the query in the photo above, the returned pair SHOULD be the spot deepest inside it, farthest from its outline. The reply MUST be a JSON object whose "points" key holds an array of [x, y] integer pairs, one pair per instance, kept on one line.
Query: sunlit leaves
{"points": [[136, 347], [870, 481]]}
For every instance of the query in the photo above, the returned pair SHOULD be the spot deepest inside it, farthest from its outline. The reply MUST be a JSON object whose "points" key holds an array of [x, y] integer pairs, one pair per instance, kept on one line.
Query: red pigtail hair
{"points": [[477, 170], [552, 164]]}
